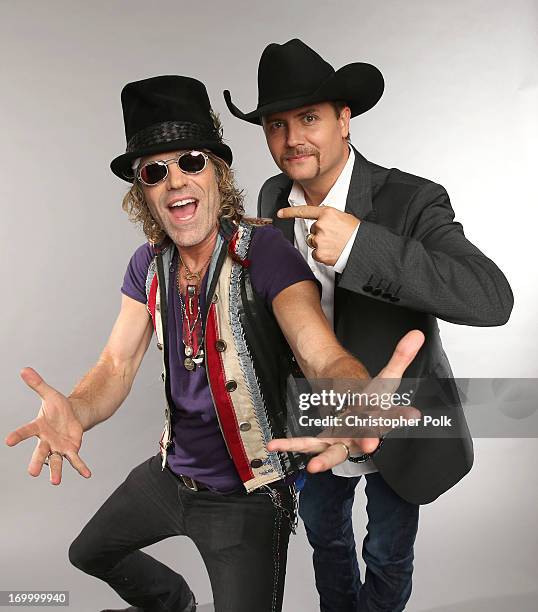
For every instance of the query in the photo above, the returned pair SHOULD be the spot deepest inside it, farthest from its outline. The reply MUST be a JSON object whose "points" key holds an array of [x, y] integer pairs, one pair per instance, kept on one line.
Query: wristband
{"points": [[366, 456]]}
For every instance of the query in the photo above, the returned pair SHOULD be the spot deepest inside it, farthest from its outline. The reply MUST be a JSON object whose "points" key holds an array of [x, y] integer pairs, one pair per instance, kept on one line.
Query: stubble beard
{"points": [[184, 237]]}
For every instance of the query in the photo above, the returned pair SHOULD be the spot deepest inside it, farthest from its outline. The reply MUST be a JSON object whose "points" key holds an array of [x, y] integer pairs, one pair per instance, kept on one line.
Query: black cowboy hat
{"points": [[294, 75], [166, 113]]}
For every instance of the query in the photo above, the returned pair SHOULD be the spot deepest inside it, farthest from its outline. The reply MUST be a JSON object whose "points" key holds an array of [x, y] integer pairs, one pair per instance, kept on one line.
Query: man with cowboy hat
{"points": [[222, 295], [390, 257]]}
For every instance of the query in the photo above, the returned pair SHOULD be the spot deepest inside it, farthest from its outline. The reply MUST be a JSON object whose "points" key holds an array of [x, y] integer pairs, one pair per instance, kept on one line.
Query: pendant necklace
{"points": [[191, 316]]}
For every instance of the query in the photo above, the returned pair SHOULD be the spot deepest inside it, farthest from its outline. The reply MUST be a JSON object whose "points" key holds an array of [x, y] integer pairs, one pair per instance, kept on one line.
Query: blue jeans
{"points": [[325, 506]]}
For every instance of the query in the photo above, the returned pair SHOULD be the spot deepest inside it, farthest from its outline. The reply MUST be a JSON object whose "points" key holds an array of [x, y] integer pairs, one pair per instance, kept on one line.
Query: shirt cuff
{"points": [[344, 255]]}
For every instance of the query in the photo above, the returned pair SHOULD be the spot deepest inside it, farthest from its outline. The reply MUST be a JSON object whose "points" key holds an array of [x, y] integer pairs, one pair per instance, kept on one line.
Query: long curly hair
{"points": [[231, 198]]}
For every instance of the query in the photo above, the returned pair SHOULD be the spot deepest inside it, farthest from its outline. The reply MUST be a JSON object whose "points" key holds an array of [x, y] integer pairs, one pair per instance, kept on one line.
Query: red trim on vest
{"points": [[223, 402], [152, 298], [233, 242], [233, 254]]}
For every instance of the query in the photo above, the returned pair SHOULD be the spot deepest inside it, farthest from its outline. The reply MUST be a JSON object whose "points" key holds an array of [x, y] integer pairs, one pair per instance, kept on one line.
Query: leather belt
{"points": [[192, 484]]}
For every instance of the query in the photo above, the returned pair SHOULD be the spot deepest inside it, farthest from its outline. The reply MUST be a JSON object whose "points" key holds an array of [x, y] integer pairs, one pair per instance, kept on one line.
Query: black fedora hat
{"points": [[294, 75], [166, 113]]}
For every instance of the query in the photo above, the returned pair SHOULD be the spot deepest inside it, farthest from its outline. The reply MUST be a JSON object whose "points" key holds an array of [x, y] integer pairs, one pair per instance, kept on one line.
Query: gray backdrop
{"points": [[459, 108]]}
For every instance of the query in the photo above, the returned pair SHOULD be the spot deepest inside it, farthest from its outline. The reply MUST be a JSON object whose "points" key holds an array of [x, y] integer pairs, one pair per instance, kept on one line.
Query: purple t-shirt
{"points": [[198, 449]]}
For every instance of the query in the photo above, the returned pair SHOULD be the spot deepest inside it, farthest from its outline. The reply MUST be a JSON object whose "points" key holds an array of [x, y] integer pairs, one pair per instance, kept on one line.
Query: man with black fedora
{"points": [[222, 294], [390, 257]]}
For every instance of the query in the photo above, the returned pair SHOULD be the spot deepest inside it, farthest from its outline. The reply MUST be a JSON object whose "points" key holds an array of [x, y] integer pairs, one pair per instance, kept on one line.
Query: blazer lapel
{"points": [[286, 226], [359, 196]]}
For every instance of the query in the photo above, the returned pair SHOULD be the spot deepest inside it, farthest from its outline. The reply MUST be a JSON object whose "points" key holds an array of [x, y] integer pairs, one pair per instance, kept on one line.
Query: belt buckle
{"points": [[189, 483]]}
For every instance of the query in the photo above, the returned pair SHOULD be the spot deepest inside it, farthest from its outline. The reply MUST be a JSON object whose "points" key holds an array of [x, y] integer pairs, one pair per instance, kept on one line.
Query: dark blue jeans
{"points": [[325, 506]]}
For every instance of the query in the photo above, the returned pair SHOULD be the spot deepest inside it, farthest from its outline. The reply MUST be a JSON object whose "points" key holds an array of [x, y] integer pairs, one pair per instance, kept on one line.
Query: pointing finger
{"points": [[300, 212]]}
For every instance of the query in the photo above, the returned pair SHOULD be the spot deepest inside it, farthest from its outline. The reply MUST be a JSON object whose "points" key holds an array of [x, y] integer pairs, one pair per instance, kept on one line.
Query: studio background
{"points": [[459, 108]]}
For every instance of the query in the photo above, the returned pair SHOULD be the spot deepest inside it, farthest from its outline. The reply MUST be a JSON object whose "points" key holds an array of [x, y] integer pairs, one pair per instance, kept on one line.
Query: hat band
{"points": [[168, 131]]}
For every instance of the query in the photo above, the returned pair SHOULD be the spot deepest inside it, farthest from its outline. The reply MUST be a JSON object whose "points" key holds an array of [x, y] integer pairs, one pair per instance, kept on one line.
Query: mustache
{"points": [[298, 151]]}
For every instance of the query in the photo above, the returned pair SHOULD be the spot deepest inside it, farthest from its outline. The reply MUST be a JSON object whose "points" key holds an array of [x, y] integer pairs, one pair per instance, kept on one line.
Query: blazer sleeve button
{"points": [[395, 297]]}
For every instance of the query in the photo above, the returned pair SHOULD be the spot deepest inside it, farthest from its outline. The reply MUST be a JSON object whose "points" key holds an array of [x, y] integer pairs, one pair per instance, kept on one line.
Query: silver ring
{"points": [[310, 240], [346, 447], [46, 462]]}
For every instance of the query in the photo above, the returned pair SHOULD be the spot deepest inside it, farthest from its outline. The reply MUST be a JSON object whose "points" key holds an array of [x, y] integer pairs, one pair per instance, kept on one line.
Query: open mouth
{"points": [[183, 210]]}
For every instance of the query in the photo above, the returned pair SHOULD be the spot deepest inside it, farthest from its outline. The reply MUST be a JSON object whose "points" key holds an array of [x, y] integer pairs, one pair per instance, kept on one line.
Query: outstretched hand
{"points": [[331, 451], [56, 427]]}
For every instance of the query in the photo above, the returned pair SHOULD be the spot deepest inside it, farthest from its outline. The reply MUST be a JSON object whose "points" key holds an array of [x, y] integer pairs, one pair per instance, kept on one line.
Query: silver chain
{"points": [[276, 498]]}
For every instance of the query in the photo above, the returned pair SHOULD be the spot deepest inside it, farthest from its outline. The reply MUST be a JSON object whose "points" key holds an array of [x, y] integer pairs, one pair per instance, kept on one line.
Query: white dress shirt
{"points": [[336, 198]]}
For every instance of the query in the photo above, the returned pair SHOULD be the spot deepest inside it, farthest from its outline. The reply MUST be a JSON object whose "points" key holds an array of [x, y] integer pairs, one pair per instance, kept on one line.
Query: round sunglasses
{"points": [[189, 162]]}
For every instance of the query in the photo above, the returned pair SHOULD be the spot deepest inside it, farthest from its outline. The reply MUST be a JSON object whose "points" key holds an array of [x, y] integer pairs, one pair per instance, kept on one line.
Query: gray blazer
{"points": [[409, 264]]}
